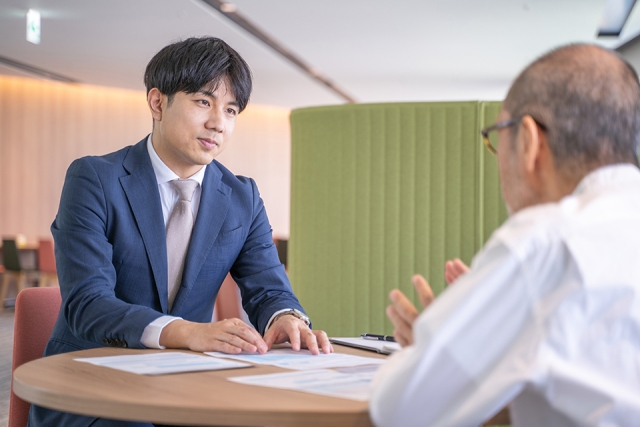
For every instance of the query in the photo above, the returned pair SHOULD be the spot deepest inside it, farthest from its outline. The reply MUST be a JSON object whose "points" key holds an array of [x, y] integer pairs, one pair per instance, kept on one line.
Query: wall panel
{"points": [[381, 192], [45, 125], [261, 148]]}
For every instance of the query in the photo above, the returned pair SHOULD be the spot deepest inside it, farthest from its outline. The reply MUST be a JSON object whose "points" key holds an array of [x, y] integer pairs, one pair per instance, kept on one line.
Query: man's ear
{"points": [[155, 100], [534, 143]]}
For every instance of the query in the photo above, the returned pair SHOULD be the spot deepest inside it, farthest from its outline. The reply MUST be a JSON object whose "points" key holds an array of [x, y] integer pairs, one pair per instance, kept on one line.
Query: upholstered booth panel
{"points": [[380, 192], [492, 208]]}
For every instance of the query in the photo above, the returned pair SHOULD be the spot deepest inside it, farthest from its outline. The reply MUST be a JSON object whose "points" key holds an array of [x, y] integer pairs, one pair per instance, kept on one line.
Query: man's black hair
{"points": [[198, 63]]}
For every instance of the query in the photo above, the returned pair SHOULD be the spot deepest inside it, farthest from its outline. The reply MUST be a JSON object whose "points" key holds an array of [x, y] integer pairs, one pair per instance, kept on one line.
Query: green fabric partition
{"points": [[380, 192], [492, 209]]}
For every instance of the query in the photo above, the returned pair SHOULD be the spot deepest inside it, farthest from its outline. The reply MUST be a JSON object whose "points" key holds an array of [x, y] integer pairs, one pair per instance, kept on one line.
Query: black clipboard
{"points": [[380, 347]]}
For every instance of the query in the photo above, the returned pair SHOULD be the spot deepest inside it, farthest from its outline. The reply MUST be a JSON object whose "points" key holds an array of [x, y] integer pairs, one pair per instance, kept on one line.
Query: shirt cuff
{"points": [[151, 334]]}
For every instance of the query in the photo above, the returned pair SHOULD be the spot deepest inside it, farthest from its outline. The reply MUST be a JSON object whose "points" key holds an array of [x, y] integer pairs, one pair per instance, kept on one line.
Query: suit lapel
{"points": [[141, 189], [214, 204]]}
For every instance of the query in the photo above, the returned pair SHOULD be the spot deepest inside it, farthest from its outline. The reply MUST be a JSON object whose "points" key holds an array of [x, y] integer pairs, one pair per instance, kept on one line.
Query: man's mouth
{"points": [[208, 143]]}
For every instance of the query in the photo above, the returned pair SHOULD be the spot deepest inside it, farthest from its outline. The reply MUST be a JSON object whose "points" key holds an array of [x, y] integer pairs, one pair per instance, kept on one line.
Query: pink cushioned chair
{"points": [[36, 313], [47, 263], [228, 304]]}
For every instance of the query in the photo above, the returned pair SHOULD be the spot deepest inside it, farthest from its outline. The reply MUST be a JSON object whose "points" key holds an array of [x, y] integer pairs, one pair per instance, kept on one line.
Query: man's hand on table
{"points": [[295, 330], [228, 336], [233, 336]]}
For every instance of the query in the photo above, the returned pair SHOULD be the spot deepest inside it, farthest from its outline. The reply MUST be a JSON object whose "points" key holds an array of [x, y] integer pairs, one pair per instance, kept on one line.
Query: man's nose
{"points": [[215, 121]]}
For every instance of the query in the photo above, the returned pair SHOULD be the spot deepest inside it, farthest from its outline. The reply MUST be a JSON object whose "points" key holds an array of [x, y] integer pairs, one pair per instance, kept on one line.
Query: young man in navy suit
{"points": [[110, 230]]}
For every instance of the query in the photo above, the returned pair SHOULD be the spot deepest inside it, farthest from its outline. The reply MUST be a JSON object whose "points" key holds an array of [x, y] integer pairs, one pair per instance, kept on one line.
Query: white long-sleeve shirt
{"points": [[548, 317]]}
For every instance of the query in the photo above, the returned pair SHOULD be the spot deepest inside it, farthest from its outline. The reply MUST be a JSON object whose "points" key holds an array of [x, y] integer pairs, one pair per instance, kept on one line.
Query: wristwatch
{"points": [[295, 313]]}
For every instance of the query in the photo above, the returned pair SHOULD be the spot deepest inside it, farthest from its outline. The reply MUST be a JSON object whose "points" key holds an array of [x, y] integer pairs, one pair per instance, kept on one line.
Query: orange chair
{"points": [[228, 301], [47, 263], [36, 313], [228, 304], [2, 291]]}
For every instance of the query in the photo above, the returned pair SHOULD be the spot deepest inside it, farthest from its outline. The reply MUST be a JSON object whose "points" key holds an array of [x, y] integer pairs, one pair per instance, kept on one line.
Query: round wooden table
{"points": [[197, 398]]}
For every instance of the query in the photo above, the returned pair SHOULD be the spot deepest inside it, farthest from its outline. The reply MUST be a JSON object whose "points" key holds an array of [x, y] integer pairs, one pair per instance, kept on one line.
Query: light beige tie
{"points": [[179, 229]]}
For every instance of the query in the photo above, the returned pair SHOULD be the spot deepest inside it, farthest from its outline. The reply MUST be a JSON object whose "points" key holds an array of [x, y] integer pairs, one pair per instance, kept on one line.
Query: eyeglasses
{"points": [[485, 132]]}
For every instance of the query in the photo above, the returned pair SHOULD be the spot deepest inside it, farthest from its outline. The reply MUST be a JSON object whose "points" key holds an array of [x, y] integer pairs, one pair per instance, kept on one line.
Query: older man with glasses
{"points": [[548, 316]]}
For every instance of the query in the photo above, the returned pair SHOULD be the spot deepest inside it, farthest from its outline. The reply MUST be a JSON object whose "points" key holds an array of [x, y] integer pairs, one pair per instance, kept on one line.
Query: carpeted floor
{"points": [[6, 347]]}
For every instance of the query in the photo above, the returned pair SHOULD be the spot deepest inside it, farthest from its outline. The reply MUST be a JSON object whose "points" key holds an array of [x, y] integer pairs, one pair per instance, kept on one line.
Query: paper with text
{"points": [[301, 360], [162, 363], [345, 385]]}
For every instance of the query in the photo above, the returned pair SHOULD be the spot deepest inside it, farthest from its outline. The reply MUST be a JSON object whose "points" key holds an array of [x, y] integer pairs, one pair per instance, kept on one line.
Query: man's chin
{"points": [[208, 158], [210, 155], [509, 209]]}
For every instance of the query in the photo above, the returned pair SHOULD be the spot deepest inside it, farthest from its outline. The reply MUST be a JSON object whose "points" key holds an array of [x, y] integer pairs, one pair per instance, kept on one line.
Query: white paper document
{"points": [[354, 385], [301, 360], [162, 363]]}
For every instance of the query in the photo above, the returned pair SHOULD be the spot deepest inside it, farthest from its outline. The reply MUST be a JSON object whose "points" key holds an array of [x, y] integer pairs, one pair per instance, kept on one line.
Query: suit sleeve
{"points": [[258, 271], [84, 260]]}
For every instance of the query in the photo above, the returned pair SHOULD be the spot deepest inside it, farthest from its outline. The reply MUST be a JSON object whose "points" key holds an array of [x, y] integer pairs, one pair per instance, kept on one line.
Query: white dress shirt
{"points": [[548, 317], [168, 198]]}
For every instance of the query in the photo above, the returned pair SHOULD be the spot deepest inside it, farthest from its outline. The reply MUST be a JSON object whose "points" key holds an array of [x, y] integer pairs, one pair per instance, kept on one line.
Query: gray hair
{"points": [[588, 100]]}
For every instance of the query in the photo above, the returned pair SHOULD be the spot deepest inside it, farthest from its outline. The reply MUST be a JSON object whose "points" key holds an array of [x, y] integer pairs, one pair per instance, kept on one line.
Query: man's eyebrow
{"points": [[207, 92]]}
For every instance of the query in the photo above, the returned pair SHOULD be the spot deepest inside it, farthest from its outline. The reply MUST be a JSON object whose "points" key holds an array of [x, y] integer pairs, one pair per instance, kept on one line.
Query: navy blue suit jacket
{"points": [[112, 260]]}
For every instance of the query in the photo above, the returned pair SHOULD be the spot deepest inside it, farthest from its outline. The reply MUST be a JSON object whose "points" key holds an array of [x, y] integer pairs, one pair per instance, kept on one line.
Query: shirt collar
{"points": [[617, 174], [162, 171]]}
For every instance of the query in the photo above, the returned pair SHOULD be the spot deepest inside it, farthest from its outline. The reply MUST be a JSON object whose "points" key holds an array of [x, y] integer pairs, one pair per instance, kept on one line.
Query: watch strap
{"points": [[295, 313]]}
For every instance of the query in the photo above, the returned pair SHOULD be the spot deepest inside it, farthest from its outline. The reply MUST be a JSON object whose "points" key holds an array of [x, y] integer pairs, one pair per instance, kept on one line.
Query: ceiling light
{"points": [[228, 7], [615, 16], [33, 26]]}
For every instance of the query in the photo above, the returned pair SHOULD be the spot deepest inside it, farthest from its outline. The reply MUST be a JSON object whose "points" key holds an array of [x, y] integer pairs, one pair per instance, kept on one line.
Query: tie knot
{"points": [[185, 188]]}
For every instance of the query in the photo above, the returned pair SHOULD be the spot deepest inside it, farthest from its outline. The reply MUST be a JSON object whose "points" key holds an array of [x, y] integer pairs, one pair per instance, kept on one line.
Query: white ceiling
{"points": [[377, 51]]}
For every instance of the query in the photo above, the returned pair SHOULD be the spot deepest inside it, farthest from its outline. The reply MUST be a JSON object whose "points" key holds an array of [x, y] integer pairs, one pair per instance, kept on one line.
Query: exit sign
{"points": [[33, 26]]}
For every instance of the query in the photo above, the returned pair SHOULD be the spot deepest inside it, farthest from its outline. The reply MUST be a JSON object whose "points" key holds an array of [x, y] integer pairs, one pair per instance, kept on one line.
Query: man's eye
{"points": [[232, 111], [204, 102]]}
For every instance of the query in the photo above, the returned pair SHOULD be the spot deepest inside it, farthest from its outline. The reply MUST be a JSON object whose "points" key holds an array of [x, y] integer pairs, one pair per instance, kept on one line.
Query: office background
{"points": [[372, 51], [79, 91], [363, 50]]}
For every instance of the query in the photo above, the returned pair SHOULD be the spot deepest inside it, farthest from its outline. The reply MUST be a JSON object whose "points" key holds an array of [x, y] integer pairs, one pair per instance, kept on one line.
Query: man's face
{"points": [[194, 128], [516, 193]]}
